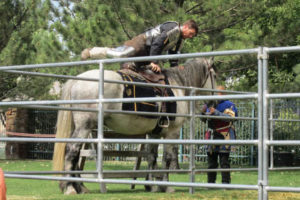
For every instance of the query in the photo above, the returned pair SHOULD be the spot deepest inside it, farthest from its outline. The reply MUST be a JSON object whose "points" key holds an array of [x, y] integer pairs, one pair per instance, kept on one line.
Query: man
{"points": [[167, 37], [221, 129]]}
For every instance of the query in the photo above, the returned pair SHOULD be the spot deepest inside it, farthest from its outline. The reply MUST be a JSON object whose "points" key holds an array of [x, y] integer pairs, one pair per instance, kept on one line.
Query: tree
{"points": [[29, 39], [53, 31]]}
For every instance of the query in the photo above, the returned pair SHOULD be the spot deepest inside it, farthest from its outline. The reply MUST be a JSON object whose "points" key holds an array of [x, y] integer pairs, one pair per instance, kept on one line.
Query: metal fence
{"points": [[41, 122], [263, 143], [242, 155]]}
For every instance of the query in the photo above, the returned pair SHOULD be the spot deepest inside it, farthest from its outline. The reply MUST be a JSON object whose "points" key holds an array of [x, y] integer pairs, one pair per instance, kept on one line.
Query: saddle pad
{"points": [[134, 91]]}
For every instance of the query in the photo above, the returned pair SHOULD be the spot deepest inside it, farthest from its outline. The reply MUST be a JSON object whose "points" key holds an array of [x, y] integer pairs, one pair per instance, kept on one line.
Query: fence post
{"points": [[192, 137], [265, 123], [260, 124], [100, 128]]}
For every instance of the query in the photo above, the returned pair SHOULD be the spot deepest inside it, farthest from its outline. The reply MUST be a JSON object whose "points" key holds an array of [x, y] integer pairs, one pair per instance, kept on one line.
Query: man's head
{"points": [[220, 87], [189, 29]]}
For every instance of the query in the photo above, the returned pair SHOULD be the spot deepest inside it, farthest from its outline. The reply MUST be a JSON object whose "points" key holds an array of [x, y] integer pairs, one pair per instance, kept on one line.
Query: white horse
{"points": [[194, 73]]}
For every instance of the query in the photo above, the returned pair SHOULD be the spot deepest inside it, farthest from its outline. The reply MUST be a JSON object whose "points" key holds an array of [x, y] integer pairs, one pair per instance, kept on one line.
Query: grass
{"points": [[24, 189]]}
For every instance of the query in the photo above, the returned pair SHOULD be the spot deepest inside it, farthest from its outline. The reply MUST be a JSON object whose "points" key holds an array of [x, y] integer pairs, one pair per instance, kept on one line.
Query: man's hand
{"points": [[204, 108], [155, 67], [211, 110]]}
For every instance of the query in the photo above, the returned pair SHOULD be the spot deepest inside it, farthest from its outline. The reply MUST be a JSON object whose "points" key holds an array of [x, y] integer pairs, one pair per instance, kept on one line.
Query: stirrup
{"points": [[162, 124]]}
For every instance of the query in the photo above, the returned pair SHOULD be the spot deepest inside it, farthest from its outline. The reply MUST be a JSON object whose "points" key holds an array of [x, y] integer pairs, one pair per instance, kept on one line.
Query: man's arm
{"points": [[156, 48], [158, 44], [228, 112], [175, 50]]}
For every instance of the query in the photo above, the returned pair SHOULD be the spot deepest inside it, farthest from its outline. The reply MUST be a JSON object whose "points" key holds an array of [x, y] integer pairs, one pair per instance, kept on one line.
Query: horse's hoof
{"points": [[62, 186], [165, 189], [84, 190], [154, 189], [70, 191], [148, 188], [170, 190]]}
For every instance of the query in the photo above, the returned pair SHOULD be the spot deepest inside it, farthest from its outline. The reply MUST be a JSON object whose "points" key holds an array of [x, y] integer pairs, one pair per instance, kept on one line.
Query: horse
{"points": [[197, 72]]}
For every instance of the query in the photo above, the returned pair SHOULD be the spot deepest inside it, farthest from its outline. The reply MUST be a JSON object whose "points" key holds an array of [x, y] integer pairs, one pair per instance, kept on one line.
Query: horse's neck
{"points": [[184, 77]]}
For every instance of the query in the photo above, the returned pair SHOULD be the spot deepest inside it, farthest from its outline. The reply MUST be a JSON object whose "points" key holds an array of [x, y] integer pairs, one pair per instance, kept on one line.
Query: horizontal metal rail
{"points": [[155, 141], [129, 141], [285, 95], [126, 82], [282, 49], [282, 189], [283, 142], [284, 120], [132, 59], [183, 98], [134, 112], [150, 58], [177, 171], [129, 100], [49, 102], [42, 107], [118, 181]]}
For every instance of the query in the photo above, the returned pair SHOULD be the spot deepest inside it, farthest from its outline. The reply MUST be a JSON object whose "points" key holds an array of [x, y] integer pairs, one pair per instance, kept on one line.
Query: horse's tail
{"points": [[64, 128]]}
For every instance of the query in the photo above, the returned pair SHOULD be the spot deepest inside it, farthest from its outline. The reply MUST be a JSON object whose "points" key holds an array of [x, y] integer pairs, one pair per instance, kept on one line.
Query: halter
{"points": [[209, 74]]}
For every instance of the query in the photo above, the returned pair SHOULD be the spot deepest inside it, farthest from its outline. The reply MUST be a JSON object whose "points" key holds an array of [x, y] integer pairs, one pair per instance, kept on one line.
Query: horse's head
{"points": [[200, 74]]}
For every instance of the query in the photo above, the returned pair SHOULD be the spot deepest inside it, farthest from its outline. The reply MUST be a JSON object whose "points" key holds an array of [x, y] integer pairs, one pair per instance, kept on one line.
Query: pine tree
{"points": [[29, 40]]}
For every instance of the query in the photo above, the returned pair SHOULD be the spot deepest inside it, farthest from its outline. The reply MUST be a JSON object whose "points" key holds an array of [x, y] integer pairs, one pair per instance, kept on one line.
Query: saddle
{"points": [[145, 72], [148, 76], [152, 77]]}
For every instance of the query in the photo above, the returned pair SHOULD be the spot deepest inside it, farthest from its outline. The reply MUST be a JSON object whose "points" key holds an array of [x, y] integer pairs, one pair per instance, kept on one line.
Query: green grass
{"points": [[42, 189]]}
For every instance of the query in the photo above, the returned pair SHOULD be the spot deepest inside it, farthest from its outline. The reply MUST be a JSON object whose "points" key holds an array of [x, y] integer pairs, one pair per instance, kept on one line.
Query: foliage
{"points": [[31, 40], [296, 85], [287, 130], [42, 31]]}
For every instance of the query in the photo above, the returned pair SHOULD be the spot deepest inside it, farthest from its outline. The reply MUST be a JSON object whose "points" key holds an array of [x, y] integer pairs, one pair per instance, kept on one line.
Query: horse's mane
{"points": [[193, 73]]}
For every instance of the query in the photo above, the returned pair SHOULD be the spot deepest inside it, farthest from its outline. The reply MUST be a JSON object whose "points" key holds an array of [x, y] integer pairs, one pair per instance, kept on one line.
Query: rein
{"points": [[209, 74]]}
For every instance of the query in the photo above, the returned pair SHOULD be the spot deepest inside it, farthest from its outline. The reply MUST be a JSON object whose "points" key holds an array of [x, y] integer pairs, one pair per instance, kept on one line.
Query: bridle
{"points": [[210, 74]]}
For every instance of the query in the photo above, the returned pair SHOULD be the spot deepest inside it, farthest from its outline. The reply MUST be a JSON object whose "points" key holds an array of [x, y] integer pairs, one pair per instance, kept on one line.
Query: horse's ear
{"points": [[211, 60]]}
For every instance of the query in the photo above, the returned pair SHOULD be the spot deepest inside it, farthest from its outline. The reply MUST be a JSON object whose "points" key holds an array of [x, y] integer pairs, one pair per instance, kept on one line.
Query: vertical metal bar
{"points": [[181, 147], [100, 128], [252, 133], [265, 123], [260, 124], [118, 149], [271, 135], [192, 136]]}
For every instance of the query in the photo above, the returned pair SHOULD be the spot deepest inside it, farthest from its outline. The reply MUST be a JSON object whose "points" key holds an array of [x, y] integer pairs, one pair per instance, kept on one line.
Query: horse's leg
{"points": [[152, 149], [169, 161], [170, 157], [71, 160]]}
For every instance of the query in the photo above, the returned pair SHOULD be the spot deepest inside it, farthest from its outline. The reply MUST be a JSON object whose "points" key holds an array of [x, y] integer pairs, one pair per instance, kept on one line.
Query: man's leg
{"points": [[105, 52], [95, 53], [212, 159], [225, 163]]}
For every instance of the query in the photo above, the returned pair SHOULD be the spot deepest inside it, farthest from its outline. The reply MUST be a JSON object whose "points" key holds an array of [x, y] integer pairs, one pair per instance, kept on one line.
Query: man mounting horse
{"points": [[167, 37]]}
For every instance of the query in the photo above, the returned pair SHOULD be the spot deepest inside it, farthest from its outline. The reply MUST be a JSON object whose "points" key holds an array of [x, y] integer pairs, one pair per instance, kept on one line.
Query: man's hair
{"points": [[192, 24]]}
